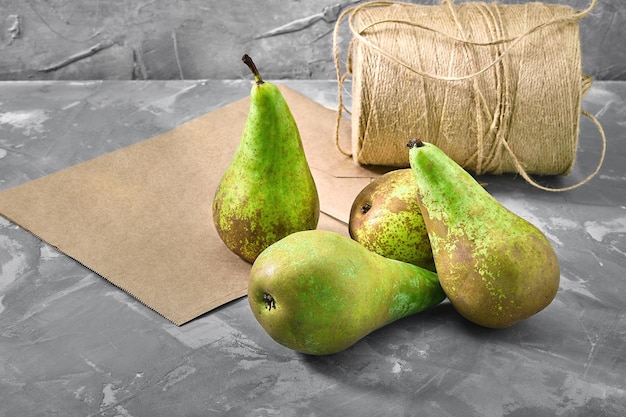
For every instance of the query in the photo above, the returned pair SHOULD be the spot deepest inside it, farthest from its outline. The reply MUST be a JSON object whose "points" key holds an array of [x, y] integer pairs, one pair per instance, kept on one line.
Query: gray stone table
{"points": [[71, 344]]}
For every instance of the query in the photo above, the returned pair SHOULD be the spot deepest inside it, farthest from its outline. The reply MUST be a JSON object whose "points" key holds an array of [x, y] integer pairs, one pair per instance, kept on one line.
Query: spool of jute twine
{"points": [[497, 87]]}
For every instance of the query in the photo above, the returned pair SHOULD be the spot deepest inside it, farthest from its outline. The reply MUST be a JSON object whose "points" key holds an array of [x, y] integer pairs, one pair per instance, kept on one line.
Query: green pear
{"points": [[319, 292], [267, 191], [385, 218], [495, 267]]}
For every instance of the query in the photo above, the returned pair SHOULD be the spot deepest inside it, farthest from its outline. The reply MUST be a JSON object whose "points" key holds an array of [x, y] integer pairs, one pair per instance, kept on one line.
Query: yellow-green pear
{"points": [[385, 218], [495, 267], [319, 292], [267, 191]]}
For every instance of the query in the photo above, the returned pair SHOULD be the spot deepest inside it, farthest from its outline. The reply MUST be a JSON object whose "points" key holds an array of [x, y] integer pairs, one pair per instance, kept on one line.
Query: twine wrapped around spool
{"points": [[496, 87]]}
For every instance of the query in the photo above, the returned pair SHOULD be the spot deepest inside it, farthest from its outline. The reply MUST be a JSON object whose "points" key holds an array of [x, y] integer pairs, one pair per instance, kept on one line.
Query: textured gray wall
{"points": [[197, 39]]}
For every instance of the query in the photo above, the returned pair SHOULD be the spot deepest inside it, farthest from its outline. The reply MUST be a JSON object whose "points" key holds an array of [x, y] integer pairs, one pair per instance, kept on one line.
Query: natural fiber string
{"points": [[341, 108], [501, 40], [513, 41], [451, 78]]}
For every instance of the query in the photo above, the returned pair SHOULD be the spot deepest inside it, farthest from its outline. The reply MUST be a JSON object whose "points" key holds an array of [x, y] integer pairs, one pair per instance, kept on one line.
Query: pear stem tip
{"points": [[415, 143], [250, 63]]}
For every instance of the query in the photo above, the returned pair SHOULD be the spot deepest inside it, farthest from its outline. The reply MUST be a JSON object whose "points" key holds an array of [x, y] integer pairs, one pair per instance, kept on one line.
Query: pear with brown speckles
{"points": [[495, 267], [267, 191], [385, 218], [319, 292]]}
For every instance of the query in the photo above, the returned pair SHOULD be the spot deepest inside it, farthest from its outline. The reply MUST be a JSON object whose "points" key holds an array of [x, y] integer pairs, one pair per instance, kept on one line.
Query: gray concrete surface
{"points": [[197, 39], [71, 344]]}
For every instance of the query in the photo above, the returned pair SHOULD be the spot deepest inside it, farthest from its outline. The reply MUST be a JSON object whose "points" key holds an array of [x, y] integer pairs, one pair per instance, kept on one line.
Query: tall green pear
{"points": [[267, 191], [319, 292], [495, 267], [385, 218]]}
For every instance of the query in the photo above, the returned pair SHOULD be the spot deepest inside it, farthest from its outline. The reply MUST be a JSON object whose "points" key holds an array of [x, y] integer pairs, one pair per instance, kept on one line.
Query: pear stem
{"points": [[415, 143], [250, 63]]}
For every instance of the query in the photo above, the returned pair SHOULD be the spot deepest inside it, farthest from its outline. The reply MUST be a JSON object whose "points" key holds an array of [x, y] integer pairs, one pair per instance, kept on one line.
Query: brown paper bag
{"points": [[141, 216]]}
